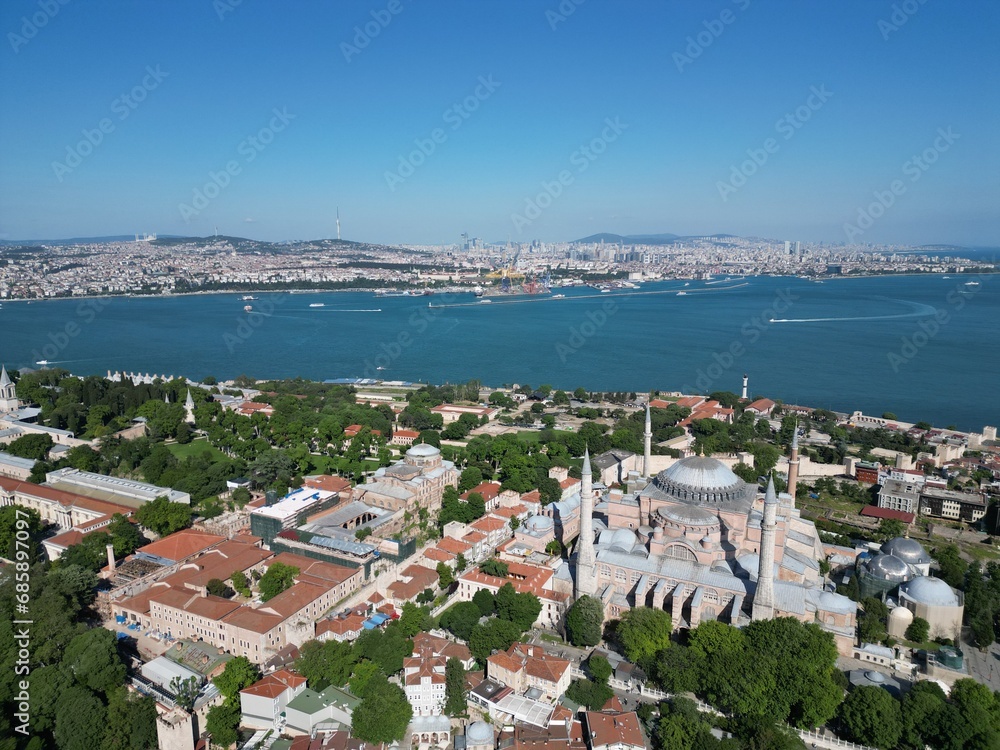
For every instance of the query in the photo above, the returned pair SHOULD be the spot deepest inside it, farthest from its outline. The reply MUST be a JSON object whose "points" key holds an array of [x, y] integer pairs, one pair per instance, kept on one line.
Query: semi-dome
{"points": [[479, 732], [930, 591], [888, 568], [688, 515], [423, 450], [909, 550], [700, 479]]}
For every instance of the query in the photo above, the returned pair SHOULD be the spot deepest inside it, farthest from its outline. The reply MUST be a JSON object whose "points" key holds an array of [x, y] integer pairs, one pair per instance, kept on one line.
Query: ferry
{"points": [[404, 293], [681, 294], [248, 297], [247, 308], [318, 304], [971, 283], [479, 291], [42, 362]]}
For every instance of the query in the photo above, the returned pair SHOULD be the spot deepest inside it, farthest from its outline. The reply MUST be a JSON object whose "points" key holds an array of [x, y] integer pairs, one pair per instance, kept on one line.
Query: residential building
{"points": [[613, 731], [899, 495], [263, 702], [524, 667]]}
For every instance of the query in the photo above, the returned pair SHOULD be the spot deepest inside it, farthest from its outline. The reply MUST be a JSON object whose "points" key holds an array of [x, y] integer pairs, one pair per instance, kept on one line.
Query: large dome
{"points": [[422, 450], [888, 568], [908, 550], [929, 590], [701, 479]]}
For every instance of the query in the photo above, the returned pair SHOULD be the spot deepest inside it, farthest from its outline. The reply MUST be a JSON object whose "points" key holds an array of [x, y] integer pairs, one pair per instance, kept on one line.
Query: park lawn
{"points": [[534, 436], [194, 448]]}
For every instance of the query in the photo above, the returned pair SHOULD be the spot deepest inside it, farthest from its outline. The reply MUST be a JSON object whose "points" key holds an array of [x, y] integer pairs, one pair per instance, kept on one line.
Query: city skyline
{"points": [[534, 123]]}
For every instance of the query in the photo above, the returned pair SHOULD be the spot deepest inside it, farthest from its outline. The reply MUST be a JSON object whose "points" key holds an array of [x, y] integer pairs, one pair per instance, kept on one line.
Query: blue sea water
{"points": [[923, 347]]}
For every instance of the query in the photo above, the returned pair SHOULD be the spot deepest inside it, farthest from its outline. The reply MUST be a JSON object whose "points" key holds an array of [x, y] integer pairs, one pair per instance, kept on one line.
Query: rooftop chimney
{"points": [[111, 558]]}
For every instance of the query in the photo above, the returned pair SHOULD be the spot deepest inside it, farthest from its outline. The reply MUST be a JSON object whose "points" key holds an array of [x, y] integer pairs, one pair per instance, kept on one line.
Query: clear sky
{"points": [[691, 88]]}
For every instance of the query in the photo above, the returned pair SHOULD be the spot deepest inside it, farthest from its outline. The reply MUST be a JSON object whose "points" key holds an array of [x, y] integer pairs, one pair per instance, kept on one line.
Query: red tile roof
{"points": [[182, 544], [614, 729], [873, 511]]}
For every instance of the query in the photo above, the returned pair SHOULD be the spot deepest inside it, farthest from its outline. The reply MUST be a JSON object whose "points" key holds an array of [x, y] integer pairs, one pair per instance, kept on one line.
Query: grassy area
{"points": [[534, 436], [194, 448], [550, 638]]}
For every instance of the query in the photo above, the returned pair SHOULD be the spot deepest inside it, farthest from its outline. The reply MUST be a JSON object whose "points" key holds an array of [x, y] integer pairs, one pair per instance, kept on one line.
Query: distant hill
{"points": [[631, 239], [78, 240]]}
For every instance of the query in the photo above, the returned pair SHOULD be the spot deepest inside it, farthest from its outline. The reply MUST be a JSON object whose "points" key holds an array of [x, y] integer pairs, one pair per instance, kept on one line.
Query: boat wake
{"points": [[919, 310]]}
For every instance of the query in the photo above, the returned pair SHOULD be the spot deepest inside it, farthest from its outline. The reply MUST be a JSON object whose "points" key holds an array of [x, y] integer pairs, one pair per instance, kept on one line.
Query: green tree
{"points": [[185, 691], [520, 609], [125, 537], [445, 575], [222, 724], [599, 668], [871, 716], [92, 658], [459, 619], [217, 587], [918, 630], [415, 619], [80, 719], [677, 669], [383, 714], [455, 694], [642, 632], [326, 663], [363, 672], [239, 673], [495, 634], [890, 528], [494, 567], [14, 518], [585, 621], [279, 577], [240, 583], [470, 478], [131, 722], [34, 446], [486, 601], [163, 516], [593, 695]]}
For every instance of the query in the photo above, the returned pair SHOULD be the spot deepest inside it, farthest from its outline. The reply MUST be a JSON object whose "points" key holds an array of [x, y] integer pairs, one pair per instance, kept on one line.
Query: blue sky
{"points": [[688, 111]]}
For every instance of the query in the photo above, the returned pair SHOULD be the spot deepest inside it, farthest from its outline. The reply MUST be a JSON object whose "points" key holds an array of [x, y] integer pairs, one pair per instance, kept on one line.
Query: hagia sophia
{"points": [[703, 544]]}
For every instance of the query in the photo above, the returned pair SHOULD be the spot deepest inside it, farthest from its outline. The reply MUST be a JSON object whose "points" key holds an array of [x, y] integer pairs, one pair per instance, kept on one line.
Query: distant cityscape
{"points": [[148, 265]]}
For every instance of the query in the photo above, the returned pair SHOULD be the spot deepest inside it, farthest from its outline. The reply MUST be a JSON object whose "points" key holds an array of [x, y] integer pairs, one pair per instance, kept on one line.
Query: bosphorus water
{"points": [[922, 347]]}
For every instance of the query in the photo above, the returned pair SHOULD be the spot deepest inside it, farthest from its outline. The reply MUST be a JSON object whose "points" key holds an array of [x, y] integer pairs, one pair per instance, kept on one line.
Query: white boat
{"points": [[485, 301], [605, 291], [249, 297], [972, 283], [42, 362], [681, 294], [687, 283], [318, 304], [247, 308], [558, 296], [380, 367]]}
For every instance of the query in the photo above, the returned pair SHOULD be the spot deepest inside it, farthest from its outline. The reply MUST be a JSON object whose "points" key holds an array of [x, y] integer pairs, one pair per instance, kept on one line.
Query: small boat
{"points": [[558, 296], [249, 297], [605, 291], [485, 301], [247, 308], [971, 283], [42, 362], [318, 304], [681, 294], [946, 277], [687, 283], [380, 367]]}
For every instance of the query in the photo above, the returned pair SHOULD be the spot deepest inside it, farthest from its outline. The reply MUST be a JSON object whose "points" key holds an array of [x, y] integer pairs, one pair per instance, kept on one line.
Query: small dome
{"points": [[479, 732], [929, 590], [874, 676], [901, 615], [888, 568], [909, 550], [539, 524], [422, 450]]}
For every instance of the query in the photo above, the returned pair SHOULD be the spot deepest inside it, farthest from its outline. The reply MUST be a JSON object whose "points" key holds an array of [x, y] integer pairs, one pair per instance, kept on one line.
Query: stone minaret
{"points": [[647, 443], [793, 465], [586, 566], [763, 600], [8, 392], [189, 408]]}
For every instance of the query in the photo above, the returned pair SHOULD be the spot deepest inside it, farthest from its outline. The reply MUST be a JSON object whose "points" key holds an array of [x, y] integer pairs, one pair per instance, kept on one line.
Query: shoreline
{"points": [[373, 290]]}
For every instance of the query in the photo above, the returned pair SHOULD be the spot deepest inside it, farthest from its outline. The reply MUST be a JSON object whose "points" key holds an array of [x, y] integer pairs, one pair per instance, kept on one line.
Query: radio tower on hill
{"points": [[338, 223]]}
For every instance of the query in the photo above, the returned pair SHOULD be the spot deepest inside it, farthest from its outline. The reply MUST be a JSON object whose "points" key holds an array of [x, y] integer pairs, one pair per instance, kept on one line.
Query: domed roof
{"points": [[689, 515], [423, 450], [901, 614], [929, 590], [539, 523], [479, 732], [873, 676], [909, 550], [888, 568], [703, 480], [701, 472]]}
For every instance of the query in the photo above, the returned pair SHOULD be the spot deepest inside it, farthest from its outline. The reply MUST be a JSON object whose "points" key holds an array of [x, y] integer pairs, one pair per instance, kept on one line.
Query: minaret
{"points": [[586, 566], [8, 392], [189, 408], [746, 380], [793, 465], [763, 600], [647, 443]]}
